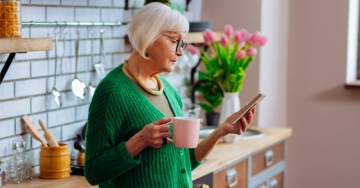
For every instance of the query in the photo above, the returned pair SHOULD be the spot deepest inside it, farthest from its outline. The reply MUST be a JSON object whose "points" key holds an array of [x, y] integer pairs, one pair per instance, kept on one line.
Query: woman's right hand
{"points": [[153, 133]]}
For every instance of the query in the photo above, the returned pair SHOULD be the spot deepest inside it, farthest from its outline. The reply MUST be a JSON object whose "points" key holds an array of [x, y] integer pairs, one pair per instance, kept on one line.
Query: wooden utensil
{"points": [[48, 136], [33, 131]]}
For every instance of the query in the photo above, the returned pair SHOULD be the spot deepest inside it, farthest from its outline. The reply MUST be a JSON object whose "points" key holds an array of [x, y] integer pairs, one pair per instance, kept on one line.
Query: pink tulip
{"points": [[191, 49], [206, 38], [251, 52], [263, 41], [211, 35], [240, 54], [229, 30], [249, 38], [224, 40], [256, 37], [240, 35], [242, 44]]}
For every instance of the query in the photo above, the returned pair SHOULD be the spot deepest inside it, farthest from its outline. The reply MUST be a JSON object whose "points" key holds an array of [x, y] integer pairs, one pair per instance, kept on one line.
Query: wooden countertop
{"points": [[223, 154]]}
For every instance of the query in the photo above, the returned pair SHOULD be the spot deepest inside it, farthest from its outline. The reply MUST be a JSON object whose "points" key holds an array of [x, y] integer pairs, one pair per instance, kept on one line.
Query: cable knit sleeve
{"points": [[106, 157]]}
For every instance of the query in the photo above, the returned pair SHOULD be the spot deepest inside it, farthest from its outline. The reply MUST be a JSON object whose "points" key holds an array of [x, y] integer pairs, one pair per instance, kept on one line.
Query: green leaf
{"points": [[218, 73], [201, 75]]}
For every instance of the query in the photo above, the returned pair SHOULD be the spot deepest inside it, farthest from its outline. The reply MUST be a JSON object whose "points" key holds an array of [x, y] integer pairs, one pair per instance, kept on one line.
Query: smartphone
{"points": [[256, 100]]}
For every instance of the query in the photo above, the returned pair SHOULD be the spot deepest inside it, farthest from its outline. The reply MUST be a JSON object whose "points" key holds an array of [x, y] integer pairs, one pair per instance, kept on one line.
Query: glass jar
{"points": [[10, 19]]}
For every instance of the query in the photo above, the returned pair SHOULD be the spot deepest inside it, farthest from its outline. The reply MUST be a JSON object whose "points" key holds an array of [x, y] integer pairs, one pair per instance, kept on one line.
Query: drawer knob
{"points": [[231, 177], [269, 156], [273, 183]]}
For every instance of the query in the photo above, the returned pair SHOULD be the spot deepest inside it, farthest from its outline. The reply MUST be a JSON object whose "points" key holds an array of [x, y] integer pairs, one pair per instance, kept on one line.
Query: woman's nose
{"points": [[179, 52]]}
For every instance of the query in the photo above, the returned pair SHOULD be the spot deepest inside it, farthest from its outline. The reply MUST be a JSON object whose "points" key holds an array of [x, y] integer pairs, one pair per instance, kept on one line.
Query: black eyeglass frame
{"points": [[183, 46]]}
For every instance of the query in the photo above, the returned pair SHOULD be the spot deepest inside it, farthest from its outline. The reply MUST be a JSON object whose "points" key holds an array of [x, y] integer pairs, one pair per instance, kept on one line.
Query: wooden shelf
{"points": [[16, 45], [197, 37]]}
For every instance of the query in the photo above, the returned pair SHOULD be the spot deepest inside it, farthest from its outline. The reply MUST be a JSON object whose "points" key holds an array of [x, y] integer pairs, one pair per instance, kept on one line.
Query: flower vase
{"points": [[230, 104]]}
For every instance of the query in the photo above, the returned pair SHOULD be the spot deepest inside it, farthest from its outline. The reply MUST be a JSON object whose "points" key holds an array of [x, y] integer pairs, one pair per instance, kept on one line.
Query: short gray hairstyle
{"points": [[150, 22]]}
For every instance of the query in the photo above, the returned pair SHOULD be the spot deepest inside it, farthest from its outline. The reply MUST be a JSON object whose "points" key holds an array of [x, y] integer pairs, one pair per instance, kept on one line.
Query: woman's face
{"points": [[163, 51]]}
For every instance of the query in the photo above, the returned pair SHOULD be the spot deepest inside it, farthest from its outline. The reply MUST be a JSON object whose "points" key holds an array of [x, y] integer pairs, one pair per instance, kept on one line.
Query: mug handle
{"points": [[167, 139]]}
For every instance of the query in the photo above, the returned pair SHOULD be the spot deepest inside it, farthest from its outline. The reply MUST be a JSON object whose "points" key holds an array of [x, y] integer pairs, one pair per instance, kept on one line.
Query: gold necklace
{"points": [[142, 84]]}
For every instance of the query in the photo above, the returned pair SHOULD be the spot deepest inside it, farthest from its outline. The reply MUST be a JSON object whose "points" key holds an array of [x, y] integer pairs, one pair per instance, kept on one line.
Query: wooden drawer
{"points": [[223, 178], [277, 181], [267, 158]]}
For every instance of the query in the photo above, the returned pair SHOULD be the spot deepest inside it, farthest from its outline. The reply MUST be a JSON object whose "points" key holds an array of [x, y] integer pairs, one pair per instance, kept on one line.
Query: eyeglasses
{"points": [[178, 44]]}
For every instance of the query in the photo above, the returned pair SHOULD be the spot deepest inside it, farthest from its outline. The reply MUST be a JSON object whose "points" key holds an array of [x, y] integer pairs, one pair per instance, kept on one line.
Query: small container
{"points": [[10, 19], [55, 162]]}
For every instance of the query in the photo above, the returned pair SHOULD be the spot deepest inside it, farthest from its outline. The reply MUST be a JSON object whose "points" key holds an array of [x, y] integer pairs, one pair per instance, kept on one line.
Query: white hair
{"points": [[152, 20]]}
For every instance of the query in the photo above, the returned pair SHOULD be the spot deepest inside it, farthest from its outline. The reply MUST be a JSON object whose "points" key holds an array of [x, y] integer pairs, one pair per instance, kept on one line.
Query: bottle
{"points": [[2, 174], [26, 170], [10, 19], [13, 166]]}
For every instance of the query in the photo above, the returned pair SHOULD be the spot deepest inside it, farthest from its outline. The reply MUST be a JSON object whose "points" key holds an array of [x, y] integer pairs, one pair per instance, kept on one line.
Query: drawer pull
{"points": [[273, 183], [231, 177], [269, 156]]}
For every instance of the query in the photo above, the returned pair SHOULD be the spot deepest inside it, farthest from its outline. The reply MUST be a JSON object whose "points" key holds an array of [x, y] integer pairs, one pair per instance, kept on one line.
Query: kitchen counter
{"points": [[222, 155]]}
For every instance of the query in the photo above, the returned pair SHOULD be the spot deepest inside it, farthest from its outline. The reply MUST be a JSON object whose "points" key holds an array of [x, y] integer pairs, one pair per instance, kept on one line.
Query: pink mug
{"points": [[185, 132]]}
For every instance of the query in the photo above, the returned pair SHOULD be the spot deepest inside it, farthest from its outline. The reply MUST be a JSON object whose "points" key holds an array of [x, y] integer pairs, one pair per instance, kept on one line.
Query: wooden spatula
{"points": [[48, 136], [33, 131]]}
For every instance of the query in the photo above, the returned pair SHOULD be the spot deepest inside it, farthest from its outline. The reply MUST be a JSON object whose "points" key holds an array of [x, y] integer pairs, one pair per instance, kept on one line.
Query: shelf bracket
{"points": [[6, 66], [126, 5]]}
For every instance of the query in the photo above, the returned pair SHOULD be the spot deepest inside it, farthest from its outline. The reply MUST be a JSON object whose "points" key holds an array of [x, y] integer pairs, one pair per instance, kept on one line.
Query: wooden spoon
{"points": [[48, 136], [33, 131]]}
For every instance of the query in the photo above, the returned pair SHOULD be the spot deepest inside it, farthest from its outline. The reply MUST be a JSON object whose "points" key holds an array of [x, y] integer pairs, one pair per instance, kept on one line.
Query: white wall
{"points": [[324, 149]]}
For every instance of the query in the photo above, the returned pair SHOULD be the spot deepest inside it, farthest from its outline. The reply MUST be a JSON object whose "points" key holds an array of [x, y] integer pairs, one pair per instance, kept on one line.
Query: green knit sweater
{"points": [[118, 111]]}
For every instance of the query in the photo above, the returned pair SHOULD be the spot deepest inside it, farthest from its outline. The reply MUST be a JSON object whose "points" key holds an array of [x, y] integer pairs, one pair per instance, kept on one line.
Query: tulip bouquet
{"points": [[230, 57]]}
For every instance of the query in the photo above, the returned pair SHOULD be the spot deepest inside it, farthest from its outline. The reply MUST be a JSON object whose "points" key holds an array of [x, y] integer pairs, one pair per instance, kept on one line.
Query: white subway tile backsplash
{"points": [[7, 128], [75, 2], [39, 68], [14, 108], [30, 87], [87, 14], [70, 131], [114, 45], [31, 55], [33, 14], [53, 14], [34, 155], [59, 117], [17, 71], [5, 145], [23, 2], [39, 32], [106, 3], [42, 2], [82, 112], [39, 104], [112, 15], [120, 31], [7, 91]]}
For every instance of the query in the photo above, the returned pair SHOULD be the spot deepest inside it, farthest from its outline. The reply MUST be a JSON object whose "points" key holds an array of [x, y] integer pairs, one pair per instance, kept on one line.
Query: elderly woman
{"points": [[130, 113]]}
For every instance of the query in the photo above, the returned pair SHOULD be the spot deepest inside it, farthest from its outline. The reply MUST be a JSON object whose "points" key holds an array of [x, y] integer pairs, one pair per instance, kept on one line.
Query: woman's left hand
{"points": [[240, 126]]}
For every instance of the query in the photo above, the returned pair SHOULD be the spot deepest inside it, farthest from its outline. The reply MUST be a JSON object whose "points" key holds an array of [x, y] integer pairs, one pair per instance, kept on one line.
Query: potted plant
{"points": [[213, 94], [227, 63]]}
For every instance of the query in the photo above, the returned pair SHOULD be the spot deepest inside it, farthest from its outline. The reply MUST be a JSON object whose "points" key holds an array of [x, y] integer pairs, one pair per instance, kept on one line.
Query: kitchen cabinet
{"points": [[21, 45]]}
